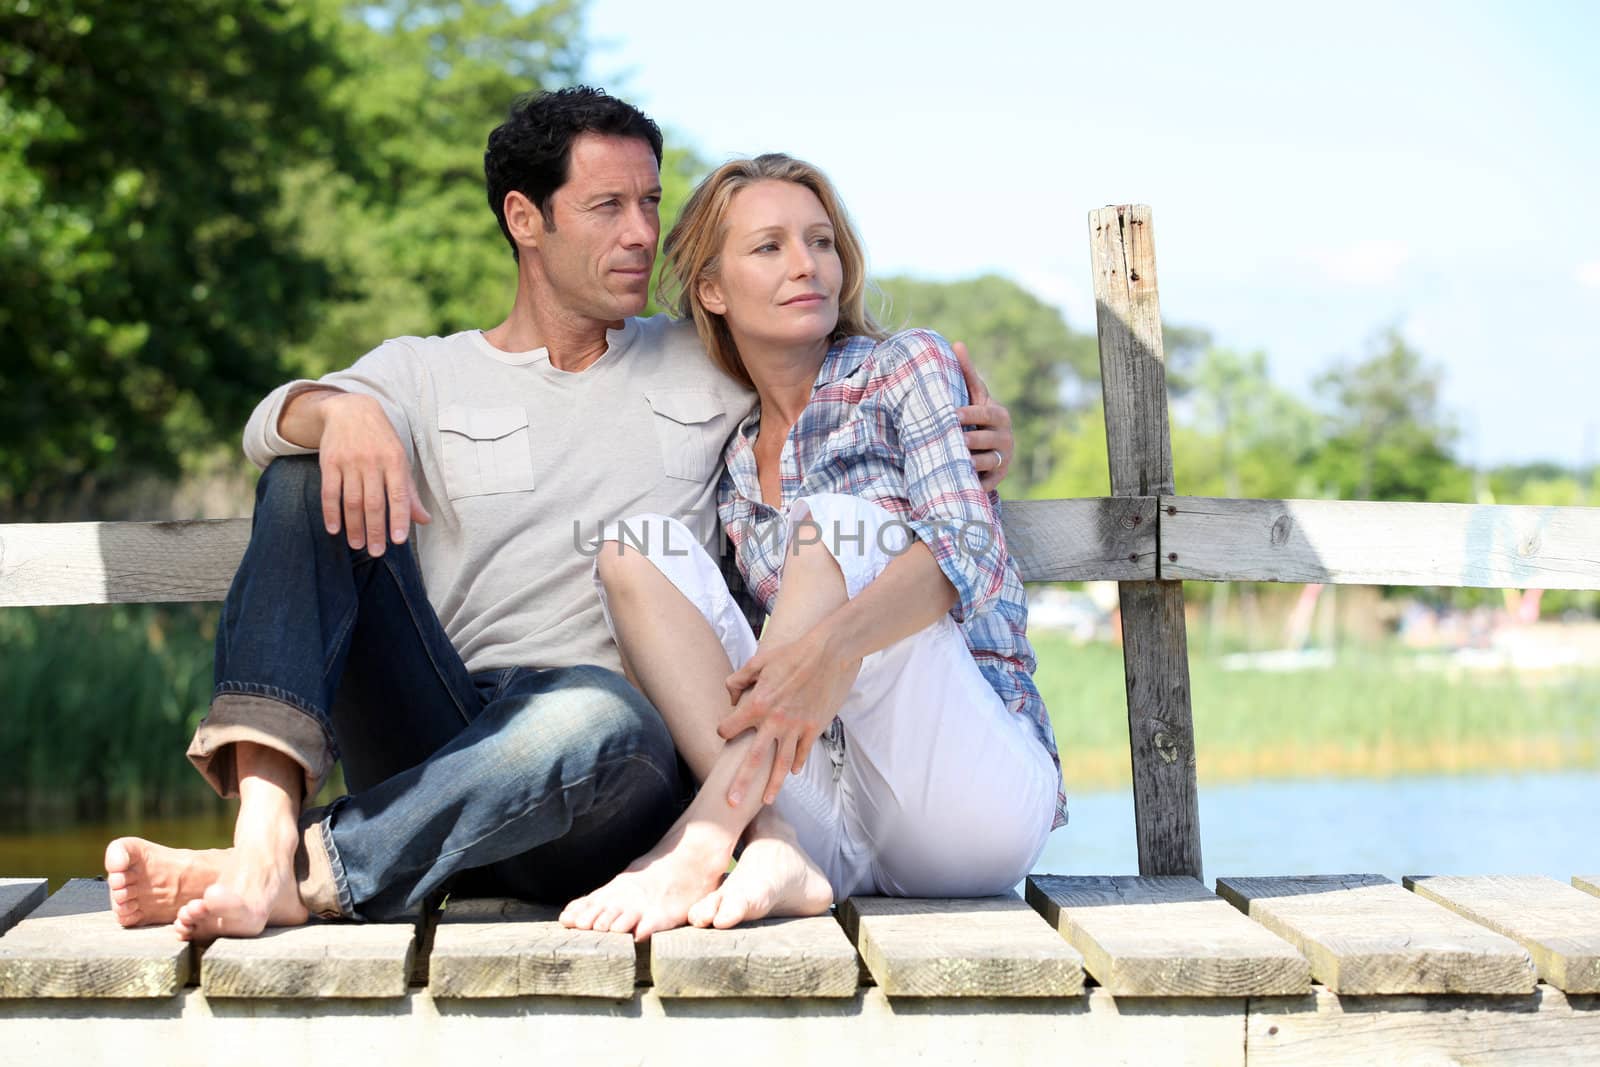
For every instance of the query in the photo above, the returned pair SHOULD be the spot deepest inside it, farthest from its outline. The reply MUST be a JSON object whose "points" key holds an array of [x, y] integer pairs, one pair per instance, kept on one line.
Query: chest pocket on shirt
{"points": [[689, 428], [485, 450]]}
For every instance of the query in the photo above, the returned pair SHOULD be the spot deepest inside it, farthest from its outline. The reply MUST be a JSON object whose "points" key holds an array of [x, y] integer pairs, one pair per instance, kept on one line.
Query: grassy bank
{"points": [[98, 706], [99, 703], [1372, 714]]}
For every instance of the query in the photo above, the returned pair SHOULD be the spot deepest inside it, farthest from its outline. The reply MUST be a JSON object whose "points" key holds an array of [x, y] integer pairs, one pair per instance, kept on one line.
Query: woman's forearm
{"points": [[911, 594]]}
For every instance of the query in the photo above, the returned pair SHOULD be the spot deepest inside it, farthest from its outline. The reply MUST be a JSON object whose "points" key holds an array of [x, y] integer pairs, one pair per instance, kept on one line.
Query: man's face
{"points": [[607, 224]]}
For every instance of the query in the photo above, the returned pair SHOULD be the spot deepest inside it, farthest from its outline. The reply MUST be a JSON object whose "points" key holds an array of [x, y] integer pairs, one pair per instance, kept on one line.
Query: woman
{"points": [[860, 526]]}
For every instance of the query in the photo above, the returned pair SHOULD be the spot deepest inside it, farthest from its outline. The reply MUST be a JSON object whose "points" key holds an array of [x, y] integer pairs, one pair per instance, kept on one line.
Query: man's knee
{"points": [[592, 717], [617, 714], [291, 483]]}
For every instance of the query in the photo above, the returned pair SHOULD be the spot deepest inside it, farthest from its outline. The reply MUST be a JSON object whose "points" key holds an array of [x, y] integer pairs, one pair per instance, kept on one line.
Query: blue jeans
{"points": [[526, 782]]}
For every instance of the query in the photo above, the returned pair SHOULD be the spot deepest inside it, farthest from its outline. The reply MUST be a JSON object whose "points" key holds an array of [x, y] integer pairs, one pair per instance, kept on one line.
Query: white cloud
{"points": [[1589, 274], [1372, 262]]}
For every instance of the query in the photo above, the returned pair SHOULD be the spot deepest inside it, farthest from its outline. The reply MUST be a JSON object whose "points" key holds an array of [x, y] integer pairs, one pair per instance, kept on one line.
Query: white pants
{"points": [[927, 786]]}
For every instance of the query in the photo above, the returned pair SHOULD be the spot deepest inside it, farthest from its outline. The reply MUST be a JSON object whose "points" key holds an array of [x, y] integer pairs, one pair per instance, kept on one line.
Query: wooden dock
{"points": [[1158, 968], [1332, 969]]}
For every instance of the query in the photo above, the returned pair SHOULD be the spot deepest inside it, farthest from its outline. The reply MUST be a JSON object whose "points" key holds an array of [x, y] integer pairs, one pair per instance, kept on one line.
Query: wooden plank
{"points": [[1587, 883], [71, 946], [1543, 1029], [1167, 936], [1365, 542], [319, 959], [1155, 645], [984, 947], [119, 562], [769, 958], [1364, 934], [1088, 539], [18, 896], [1558, 924], [507, 948]]}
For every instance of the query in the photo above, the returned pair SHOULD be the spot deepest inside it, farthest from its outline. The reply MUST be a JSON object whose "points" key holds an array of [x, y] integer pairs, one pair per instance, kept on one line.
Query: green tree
{"points": [[411, 240], [1244, 437], [1387, 437], [1031, 360], [415, 247], [148, 279]]}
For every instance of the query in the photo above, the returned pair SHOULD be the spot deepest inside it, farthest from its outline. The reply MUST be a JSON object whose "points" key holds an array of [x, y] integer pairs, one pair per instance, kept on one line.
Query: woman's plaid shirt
{"points": [[881, 425]]}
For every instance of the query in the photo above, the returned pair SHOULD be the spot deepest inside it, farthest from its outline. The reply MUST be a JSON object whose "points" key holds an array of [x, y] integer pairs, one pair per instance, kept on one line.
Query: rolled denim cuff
{"points": [[313, 867], [236, 717]]}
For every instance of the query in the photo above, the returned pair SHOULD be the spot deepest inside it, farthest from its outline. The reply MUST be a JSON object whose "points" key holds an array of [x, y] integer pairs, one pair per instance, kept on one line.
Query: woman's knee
{"points": [[621, 566], [848, 537], [633, 548]]}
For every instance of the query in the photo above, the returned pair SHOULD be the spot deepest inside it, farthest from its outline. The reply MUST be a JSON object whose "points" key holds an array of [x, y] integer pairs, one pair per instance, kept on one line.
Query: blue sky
{"points": [[1317, 172]]}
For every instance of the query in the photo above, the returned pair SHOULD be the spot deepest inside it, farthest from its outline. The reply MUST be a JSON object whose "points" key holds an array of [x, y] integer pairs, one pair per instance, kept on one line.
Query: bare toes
{"points": [[705, 909], [731, 912], [118, 857]]}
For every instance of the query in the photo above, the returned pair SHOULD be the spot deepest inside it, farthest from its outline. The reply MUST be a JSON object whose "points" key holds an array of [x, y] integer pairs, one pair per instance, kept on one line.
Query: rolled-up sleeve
{"points": [[951, 512], [387, 374]]}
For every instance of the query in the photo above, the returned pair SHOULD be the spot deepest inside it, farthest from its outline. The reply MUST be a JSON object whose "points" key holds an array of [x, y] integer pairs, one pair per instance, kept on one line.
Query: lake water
{"points": [[1546, 823]]}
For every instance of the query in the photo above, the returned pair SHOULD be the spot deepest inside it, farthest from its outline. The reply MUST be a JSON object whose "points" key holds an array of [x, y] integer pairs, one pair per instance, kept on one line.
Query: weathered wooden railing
{"points": [[1161, 935]]}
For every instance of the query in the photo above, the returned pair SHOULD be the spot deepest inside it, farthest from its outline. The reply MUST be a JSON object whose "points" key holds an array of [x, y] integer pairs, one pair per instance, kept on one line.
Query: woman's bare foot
{"points": [[655, 892], [150, 882], [774, 877]]}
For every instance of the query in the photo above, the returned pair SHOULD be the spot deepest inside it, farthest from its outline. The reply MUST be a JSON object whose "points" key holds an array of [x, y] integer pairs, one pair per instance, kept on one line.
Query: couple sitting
{"points": [[854, 511]]}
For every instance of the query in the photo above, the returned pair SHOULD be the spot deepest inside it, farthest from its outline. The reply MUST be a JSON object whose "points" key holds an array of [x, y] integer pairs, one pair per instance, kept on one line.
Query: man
{"points": [[468, 683]]}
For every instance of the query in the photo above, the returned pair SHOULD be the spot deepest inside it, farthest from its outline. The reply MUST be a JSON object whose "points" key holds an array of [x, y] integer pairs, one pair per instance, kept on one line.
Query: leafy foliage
{"points": [[150, 276], [1031, 360], [1388, 438]]}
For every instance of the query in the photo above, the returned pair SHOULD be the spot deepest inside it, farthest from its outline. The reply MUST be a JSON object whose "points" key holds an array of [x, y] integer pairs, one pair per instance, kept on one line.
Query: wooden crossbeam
{"points": [[167, 562], [1365, 542]]}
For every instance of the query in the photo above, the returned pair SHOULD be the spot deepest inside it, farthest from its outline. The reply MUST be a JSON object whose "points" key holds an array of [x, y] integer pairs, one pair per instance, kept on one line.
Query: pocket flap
{"points": [[684, 405], [482, 424]]}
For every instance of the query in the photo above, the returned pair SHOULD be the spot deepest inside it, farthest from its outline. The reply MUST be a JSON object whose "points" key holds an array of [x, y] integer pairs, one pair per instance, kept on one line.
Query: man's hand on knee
{"points": [[366, 479]]}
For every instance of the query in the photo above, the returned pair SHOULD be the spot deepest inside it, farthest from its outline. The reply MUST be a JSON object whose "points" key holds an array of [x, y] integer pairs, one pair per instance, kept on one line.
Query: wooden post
{"points": [[1155, 651]]}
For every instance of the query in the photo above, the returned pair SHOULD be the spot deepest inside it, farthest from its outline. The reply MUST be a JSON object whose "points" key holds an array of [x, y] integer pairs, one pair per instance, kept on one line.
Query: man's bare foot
{"points": [[256, 887], [150, 882], [774, 877], [252, 897], [655, 892]]}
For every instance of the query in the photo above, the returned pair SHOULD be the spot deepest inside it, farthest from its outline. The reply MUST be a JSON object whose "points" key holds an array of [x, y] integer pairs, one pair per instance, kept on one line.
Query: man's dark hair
{"points": [[531, 150]]}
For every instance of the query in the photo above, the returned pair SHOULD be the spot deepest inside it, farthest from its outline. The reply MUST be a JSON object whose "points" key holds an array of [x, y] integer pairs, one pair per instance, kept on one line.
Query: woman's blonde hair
{"points": [[693, 253]]}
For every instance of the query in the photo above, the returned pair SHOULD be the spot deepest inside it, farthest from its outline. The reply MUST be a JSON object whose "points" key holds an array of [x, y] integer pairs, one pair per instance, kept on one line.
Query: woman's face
{"points": [[780, 273]]}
